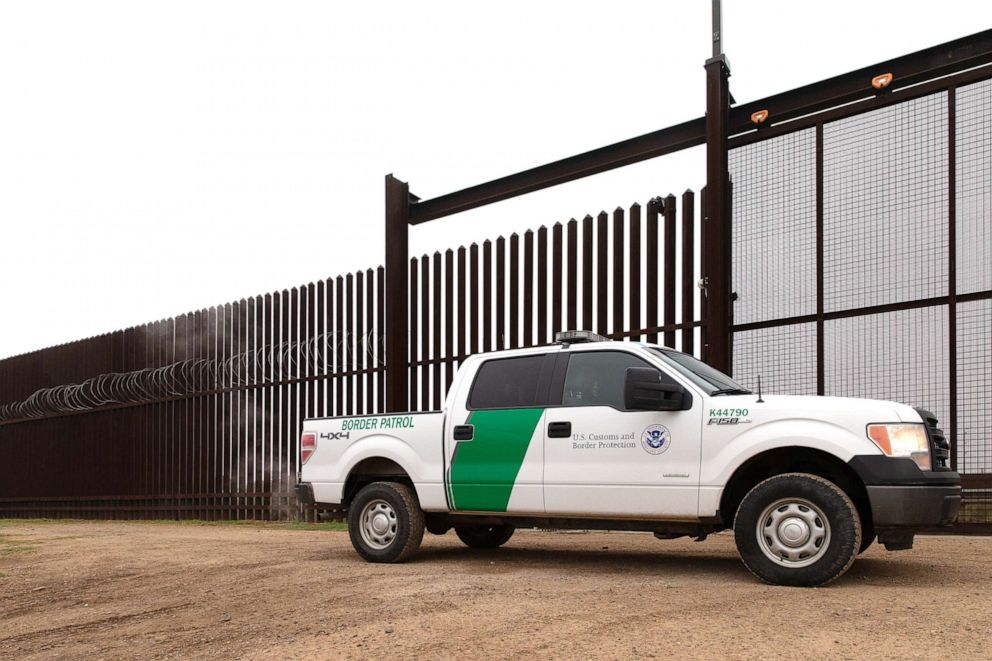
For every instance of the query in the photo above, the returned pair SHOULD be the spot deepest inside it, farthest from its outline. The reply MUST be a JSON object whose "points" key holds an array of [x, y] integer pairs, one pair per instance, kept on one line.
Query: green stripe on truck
{"points": [[484, 469]]}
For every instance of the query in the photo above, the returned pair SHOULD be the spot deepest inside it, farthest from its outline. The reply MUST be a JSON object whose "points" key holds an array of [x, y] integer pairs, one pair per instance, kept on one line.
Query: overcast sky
{"points": [[157, 158]]}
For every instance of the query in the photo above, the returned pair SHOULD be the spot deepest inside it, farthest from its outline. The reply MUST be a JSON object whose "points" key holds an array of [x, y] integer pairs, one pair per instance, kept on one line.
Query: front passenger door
{"points": [[615, 462]]}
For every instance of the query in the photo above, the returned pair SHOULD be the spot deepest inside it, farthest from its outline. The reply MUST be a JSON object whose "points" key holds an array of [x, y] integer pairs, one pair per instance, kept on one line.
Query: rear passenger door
{"points": [[603, 460], [495, 443]]}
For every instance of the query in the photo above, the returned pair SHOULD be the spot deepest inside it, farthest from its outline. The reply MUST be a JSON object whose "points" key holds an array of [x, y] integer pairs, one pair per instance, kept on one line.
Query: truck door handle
{"points": [[559, 429], [464, 432]]}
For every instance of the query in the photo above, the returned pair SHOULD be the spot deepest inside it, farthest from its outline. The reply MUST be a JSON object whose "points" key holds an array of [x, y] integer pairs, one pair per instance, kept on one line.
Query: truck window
{"points": [[506, 383], [595, 378]]}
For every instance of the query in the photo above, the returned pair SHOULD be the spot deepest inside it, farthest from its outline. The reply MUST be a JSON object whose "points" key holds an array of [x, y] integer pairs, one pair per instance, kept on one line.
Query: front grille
{"points": [[940, 449]]}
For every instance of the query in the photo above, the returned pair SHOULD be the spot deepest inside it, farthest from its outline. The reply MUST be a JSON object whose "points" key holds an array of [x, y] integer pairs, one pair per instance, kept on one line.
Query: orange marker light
{"points": [[881, 81], [759, 116], [880, 435]]}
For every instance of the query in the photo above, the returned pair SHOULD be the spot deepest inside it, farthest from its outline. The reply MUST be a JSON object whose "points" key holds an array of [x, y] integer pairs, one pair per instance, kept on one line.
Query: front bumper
{"points": [[903, 496], [913, 506], [304, 492]]}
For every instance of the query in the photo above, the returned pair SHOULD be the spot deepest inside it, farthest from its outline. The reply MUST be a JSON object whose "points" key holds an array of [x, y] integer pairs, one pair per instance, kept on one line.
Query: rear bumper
{"points": [[304, 493], [913, 507]]}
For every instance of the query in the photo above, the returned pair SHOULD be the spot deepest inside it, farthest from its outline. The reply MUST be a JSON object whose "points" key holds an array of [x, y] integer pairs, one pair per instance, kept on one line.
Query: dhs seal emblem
{"points": [[656, 439]]}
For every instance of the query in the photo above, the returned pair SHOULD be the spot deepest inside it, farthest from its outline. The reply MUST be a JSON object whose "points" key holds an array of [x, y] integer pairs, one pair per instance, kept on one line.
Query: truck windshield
{"points": [[712, 381]]}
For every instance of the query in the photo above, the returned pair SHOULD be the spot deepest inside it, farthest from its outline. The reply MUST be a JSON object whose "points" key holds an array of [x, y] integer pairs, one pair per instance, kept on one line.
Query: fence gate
{"points": [[862, 243]]}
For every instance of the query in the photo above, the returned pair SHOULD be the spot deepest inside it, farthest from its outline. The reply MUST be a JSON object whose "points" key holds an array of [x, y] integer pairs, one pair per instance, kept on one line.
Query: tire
{"points": [[385, 522], [484, 537], [797, 529]]}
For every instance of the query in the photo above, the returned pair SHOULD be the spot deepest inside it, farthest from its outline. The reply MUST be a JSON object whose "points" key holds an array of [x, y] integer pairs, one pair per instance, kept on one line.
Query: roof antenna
{"points": [[760, 401]]}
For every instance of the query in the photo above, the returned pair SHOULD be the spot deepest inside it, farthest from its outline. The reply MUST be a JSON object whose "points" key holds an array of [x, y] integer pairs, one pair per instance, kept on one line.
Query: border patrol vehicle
{"points": [[593, 434]]}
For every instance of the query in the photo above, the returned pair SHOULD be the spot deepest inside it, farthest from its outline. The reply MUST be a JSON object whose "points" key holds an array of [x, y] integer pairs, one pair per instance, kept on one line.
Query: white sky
{"points": [[157, 158]]}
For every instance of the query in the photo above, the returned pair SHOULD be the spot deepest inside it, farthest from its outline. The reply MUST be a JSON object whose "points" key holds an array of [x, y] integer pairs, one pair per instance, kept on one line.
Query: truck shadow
{"points": [[595, 561], [674, 565]]}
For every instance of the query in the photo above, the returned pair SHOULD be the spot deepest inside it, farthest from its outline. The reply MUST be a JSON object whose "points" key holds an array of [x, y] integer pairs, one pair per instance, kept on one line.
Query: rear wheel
{"points": [[385, 522], [484, 537], [797, 529]]}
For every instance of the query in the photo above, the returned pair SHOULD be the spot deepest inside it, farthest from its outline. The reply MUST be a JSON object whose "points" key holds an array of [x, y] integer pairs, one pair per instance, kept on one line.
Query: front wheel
{"points": [[385, 522], [797, 529], [484, 537]]}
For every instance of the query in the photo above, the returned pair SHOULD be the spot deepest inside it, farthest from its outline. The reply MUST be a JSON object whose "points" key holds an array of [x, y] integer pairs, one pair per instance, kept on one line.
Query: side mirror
{"points": [[643, 390]]}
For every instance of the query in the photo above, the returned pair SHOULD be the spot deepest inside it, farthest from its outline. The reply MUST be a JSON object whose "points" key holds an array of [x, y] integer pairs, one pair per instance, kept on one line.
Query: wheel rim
{"points": [[378, 524], [793, 532]]}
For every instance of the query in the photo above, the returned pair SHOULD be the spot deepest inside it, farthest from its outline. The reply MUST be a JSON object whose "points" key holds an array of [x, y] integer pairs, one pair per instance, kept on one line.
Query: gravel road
{"points": [[259, 591]]}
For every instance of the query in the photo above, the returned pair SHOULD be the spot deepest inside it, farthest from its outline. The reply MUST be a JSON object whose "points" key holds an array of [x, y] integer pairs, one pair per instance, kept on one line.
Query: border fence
{"points": [[842, 248], [198, 417]]}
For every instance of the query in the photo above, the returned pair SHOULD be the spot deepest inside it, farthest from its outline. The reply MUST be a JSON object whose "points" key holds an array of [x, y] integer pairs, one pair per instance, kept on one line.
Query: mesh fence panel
{"points": [[885, 205], [784, 357], [973, 138], [885, 197], [900, 356], [774, 227], [974, 359]]}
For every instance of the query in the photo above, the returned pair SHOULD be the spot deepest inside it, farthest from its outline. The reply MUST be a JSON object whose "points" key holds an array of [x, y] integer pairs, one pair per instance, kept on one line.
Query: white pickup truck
{"points": [[593, 434]]}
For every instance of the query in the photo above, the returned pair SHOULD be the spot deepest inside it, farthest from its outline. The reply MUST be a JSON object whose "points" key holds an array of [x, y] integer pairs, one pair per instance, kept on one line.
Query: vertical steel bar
{"points": [[425, 342], [671, 272], [414, 345], [556, 278], [340, 340], [688, 272], [514, 291], [359, 343], [462, 317], [473, 285], [572, 297], [652, 267], [436, 330], [487, 295], [285, 352], [349, 347], [320, 349], [634, 280], [528, 302], [500, 293], [269, 400], [294, 389], [370, 347], [542, 285]]}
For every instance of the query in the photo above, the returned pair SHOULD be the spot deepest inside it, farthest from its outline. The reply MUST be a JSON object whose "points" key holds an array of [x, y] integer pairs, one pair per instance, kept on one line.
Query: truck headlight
{"points": [[902, 440]]}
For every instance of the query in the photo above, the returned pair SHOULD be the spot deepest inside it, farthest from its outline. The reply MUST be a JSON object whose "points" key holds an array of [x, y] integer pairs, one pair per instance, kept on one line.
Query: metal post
{"points": [[717, 29], [397, 265], [716, 224]]}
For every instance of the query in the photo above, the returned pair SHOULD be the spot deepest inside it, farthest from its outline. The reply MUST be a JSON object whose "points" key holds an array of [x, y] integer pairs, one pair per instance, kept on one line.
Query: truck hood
{"points": [[854, 411]]}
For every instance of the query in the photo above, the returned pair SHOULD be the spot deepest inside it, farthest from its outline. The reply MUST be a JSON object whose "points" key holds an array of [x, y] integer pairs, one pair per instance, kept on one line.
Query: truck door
{"points": [[495, 440], [602, 460]]}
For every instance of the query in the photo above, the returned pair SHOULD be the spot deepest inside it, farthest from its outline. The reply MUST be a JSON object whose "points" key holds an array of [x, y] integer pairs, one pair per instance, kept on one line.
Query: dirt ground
{"points": [[155, 590]]}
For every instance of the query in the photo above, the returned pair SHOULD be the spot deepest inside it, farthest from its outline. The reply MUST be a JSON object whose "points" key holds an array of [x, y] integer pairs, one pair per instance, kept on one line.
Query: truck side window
{"points": [[595, 378], [506, 383]]}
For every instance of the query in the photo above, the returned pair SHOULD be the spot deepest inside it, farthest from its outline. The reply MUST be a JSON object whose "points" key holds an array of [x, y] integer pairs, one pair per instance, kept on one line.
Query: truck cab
{"points": [[589, 433]]}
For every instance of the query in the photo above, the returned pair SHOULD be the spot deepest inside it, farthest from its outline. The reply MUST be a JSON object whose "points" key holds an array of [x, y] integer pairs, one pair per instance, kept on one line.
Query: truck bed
{"points": [[412, 440]]}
